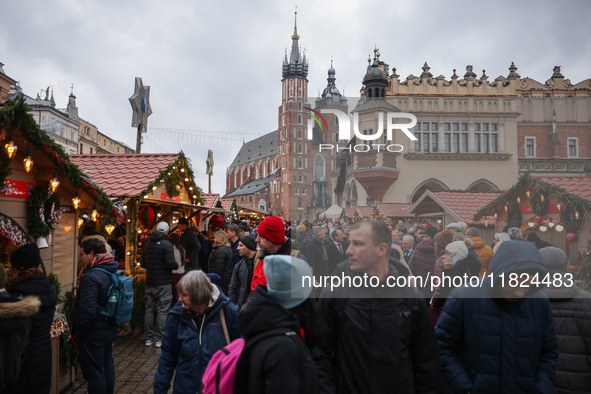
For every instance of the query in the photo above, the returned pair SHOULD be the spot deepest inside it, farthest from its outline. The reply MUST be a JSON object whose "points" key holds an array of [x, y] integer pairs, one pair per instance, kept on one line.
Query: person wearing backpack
{"points": [[201, 323], [95, 333], [378, 337], [274, 317]]}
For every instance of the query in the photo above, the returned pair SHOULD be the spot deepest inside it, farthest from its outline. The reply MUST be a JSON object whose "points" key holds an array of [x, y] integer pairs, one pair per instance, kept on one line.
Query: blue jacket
{"points": [[189, 347], [491, 345]]}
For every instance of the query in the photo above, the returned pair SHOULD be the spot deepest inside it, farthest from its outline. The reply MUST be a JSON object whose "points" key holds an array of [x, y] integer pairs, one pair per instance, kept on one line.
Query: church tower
{"points": [[292, 192]]}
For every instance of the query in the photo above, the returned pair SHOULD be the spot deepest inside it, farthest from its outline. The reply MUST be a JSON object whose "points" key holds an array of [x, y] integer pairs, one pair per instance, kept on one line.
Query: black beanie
{"points": [[27, 256], [249, 241]]}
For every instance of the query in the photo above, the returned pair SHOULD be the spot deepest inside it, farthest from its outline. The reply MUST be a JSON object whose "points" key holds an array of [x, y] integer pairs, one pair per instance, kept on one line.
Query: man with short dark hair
{"points": [[378, 338], [336, 250], [191, 245], [242, 274], [233, 233], [159, 262]]}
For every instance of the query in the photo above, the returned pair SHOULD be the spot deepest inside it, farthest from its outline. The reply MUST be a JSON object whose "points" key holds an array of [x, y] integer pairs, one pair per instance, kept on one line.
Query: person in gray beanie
{"points": [[277, 358], [239, 288], [571, 309]]}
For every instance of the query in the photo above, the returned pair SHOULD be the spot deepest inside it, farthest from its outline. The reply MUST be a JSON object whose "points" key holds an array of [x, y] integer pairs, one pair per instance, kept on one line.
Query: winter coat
{"points": [[158, 260], [258, 276], [484, 253], [240, 284], [221, 262], [280, 363], [188, 346], [423, 261], [192, 247], [491, 345], [316, 253], [15, 326], [571, 309], [376, 340], [36, 373], [92, 296], [235, 254]]}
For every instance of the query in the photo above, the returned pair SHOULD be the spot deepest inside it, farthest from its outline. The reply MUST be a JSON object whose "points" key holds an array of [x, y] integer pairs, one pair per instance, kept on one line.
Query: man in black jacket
{"points": [[378, 338], [191, 245], [242, 274], [158, 260], [336, 249]]}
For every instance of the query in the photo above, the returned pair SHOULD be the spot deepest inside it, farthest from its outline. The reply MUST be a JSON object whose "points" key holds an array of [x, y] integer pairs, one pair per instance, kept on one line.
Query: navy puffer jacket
{"points": [[158, 260], [491, 345]]}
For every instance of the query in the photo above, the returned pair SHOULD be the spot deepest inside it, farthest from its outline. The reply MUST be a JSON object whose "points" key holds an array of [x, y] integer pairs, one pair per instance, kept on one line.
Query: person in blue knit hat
{"points": [[279, 326]]}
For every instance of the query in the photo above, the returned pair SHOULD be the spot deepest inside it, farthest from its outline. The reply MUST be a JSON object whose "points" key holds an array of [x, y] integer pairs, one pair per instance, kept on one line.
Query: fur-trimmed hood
{"points": [[17, 308]]}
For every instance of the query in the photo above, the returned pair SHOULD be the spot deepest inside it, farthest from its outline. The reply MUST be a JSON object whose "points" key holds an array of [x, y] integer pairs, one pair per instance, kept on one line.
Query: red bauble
{"points": [[539, 220], [571, 238], [147, 216]]}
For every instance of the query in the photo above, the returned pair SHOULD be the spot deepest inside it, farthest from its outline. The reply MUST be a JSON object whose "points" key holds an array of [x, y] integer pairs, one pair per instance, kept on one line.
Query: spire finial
{"points": [[72, 89], [295, 24]]}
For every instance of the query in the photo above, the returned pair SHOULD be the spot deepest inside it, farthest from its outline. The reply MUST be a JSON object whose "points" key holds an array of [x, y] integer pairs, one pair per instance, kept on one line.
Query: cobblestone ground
{"points": [[135, 365]]}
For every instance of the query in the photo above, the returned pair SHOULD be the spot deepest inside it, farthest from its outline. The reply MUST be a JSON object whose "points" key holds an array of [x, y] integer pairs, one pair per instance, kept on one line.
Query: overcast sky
{"points": [[214, 67]]}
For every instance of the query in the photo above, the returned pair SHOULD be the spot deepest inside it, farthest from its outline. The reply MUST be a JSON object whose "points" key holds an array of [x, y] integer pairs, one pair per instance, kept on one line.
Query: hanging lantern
{"points": [[496, 216], [571, 238], [558, 206], [577, 215], [518, 200], [147, 216], [506, 208], [109, 228], [28, 162], [11, 147], [542, 198], [76, 200], [559, 227], [486, 223], [80, 222], [528, 194], [55, 183], [543, 228], [94, 214]]}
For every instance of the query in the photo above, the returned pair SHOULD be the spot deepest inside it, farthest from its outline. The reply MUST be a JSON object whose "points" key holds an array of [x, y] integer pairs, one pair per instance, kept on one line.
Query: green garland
{"points": [[14, 115], [514, 216], [569, 219], [4, 168], [40, 199], [539, 207]]}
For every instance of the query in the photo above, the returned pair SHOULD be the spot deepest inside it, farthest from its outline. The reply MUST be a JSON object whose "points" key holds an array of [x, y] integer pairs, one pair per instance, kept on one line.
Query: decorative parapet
{"points": [[459, 156], [553, 165]]}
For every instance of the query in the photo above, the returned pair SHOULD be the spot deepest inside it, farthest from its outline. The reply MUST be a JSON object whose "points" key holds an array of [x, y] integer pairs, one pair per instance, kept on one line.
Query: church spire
{"points": [[297, 65]]}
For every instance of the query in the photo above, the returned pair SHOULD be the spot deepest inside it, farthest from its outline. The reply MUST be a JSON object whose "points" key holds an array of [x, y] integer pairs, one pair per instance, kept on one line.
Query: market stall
{"points": [[42, 196]]}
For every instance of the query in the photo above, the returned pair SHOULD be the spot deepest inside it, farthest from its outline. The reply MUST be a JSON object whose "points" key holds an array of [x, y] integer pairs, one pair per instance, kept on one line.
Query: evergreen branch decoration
{"points": [[514, 216], [14, 115], [43, 209]]}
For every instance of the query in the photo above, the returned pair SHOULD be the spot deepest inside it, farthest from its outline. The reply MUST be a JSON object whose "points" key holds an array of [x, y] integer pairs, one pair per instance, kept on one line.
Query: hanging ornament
{"points": [[496, 215], [506, 208], [76, 200], [577, 215], [571, 238], [55, 183], [531, 224], [80, 222], [28, 162], [551, 224], [109, 228], [528, 194], [518, 200], [543, 228], [94, 214], [147, 216], [11, 147], [542, 198], [559, 227], [558, 206]]}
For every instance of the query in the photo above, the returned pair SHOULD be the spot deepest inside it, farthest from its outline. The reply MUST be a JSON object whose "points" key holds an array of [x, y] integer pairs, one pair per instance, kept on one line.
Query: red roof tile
{"points": [[227, 202], [465, 204], [350, 212], [123, 175], [365, 211], [579, 184], [397, 210], [210, 198]]}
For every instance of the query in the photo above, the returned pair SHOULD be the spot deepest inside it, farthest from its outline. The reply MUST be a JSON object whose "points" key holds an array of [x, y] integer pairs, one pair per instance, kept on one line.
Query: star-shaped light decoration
{"points": [[140, 104]]}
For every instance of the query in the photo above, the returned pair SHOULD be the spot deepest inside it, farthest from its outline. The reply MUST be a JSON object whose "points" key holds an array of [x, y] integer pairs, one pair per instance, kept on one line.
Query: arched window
{"points": [[300, 163], [299, 119], [300, 148], [300, 106], [250, 199], [299, 203], [241, 199], [300, 177], [319, 165], [299, 133]]}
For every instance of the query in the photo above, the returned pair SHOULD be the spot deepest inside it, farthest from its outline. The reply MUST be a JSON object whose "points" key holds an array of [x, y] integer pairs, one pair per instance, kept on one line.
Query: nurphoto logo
{"points": [[348, 126]]}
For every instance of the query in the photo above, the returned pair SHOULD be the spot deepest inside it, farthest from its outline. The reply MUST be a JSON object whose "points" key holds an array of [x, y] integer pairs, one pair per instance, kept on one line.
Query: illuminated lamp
{"points": [[11, 147], [55, 183], [76, 200]]}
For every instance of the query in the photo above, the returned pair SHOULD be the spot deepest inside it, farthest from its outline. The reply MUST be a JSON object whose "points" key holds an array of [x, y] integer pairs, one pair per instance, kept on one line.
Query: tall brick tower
{"points": [[295, 151]]}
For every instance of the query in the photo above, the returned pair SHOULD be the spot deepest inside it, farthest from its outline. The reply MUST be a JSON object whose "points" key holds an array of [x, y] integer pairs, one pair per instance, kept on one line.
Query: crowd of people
{"points": [[504, 333]]}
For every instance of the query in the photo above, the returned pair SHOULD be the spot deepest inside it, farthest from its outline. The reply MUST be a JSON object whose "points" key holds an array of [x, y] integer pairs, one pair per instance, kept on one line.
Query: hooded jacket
{"points": [[15, 325], [279, 363], [423, 262], [158, 260], [380, 340], [36, 372], [484, 253], [188, 346], [491, 345]]}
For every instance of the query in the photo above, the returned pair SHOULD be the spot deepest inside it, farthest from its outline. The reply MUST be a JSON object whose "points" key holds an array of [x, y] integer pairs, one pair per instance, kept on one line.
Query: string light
{"points": [[28, 162], [55, 183], [518, 199], [76, 200], [10, 147]]}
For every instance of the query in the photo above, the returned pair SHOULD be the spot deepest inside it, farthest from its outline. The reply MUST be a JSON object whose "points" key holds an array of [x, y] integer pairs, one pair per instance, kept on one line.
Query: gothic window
{"points": [[300, 163], [300, 149], [299, 203], [299, 119], [299, 133], [300, 106], [300, 177], [241, 199], [306, 178], [304, 191], [250, 199], [319, 165]]}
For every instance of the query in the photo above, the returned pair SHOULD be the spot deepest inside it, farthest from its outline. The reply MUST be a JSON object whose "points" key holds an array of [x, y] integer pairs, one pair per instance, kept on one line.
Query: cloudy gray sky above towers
{"points": [[216, 66]]}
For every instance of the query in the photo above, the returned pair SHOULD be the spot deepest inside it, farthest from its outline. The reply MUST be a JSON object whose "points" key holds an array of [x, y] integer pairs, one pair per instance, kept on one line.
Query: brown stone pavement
{"points": [[135, 365]]}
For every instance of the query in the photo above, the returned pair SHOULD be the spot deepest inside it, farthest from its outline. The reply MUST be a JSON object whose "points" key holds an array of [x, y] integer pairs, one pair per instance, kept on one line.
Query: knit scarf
{"points": [[22, 274], [97, 260]]}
